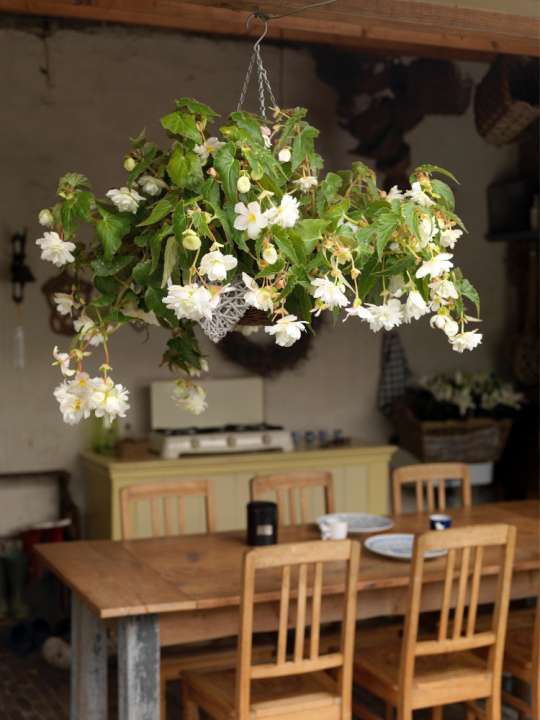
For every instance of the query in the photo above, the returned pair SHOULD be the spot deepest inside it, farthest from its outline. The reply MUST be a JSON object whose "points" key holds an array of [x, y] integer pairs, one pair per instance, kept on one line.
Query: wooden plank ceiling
{"points": [[404, 26]]}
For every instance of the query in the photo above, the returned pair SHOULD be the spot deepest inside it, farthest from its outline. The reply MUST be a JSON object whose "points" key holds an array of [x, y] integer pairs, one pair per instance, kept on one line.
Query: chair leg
{"points": [[189, 707], [389, 711], [162, 697], [437, 713], [494, 707]]}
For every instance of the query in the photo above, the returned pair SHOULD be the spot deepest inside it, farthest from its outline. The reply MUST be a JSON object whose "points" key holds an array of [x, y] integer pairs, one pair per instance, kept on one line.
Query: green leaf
{"points": [[368, 277], [410, 216], [430, 169], [289, 127], [111, 230], [70, 182], [330, 186], [309, 232], [105, 269], [195, 107], [384, 225], [300, 303], [155, 244], [160, 210], [184, 169], [470, 292], [443, 194], [76, 207], [399, 266], [210, 191], [303, 146], [169, 259], [229, 171], [292, 248], [180, 123], [250, 125]]}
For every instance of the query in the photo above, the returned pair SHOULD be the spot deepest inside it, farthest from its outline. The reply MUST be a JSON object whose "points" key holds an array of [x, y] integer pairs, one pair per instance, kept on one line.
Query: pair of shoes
{"points": [[27, 636]]}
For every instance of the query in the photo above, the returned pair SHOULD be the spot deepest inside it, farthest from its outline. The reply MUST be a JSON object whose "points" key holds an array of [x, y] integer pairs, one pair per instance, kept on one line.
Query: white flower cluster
{"points": [[190, 396], [253, 220], [82, 395]]}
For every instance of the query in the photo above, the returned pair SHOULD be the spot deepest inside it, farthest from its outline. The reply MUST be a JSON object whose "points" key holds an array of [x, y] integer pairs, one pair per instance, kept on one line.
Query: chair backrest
{"points": [[427, 478], [167, 506], [291, 493], [304, 563], [467, 549], [535, 689]]}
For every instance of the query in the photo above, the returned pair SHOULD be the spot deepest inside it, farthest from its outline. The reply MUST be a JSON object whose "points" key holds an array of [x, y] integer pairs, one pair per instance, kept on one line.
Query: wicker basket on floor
{"points": [[473, 440], [507, 99]]}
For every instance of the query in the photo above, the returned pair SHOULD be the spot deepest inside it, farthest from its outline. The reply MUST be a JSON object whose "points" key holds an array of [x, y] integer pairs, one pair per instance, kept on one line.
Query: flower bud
{"points": [[243, 184], [270, 254], [129, 163], [284, 155], [45, 218], [190, 240]]}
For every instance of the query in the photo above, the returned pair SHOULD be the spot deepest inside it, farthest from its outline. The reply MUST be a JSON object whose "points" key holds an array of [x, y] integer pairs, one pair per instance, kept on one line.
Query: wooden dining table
{"points": [[183, 589]]}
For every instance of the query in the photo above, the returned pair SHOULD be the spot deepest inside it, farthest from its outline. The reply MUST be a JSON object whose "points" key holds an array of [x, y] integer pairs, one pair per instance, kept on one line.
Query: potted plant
{"points": [[241, 218], [457, 416]]}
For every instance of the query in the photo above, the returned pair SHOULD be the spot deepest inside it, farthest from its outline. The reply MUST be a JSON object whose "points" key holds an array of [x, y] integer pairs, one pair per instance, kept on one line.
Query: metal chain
{"points": [[262, 81]]}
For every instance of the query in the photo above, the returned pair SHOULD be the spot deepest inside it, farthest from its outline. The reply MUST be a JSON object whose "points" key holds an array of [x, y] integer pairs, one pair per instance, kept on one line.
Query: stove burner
{"points": [[255, 427]]}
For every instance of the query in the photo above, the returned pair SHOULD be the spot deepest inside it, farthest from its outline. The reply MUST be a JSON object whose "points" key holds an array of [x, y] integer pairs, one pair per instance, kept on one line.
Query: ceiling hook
{"points": [[259, 15]]}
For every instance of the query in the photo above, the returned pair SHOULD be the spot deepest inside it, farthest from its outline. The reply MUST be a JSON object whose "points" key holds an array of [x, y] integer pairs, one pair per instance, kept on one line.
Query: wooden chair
{"points": [[167, 517], [429, 673], [427, 477], [522, 661], [294, 486], [163, 499], [296, 687]]}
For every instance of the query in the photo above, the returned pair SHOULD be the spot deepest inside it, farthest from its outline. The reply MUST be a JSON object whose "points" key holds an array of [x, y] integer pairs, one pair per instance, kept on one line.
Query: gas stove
{"points": [[260, 437], [233, 422]]}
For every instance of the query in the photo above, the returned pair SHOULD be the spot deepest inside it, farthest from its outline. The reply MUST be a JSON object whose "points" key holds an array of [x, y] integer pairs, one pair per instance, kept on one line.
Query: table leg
{"points": [[138, 668], [88, 698]]}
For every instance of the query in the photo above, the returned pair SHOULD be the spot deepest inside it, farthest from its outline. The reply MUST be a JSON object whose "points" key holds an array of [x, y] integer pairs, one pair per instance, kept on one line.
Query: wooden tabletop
{"points": [[196, 572]]}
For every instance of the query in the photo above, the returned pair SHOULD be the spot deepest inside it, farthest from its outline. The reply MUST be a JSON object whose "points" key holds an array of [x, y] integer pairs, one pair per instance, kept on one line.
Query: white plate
{"points": [[398, 547], [360, 522]]}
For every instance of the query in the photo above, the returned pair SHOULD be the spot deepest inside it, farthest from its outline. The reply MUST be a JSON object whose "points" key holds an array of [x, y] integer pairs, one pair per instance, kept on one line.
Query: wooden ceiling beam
{"points": [[397, 26]]}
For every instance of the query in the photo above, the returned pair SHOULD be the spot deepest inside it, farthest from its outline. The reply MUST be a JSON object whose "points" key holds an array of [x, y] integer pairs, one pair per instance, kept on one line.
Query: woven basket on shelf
{"points": [[506, 101], [473, 440]]}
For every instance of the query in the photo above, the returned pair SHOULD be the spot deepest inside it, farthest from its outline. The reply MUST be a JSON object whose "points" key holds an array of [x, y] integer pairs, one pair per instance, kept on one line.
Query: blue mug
{"points": [[440, 522]]}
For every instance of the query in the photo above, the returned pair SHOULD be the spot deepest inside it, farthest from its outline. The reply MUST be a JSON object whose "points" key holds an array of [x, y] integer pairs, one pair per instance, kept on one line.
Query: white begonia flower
{"points": [[286, 214], [196, 372], [208, 147], [64, 303], [427, 230], [284, 155], [388, 315], [191, 302], [415, 307], [445, 323], [463, 399], [257, 297], [419, 196], [360, 311], [450, 237], [107, 399], [88, 330], [125, 199], [45, 218], [215, 265], [55, 250], [306, 182], [73, 398], [436, 266], [270, 254], [63, 360], [442, 290], [287, 330], [266, 136], [250, 218], [151, 185], [394, 194], [396, 286], [243, 184], [466, 341], [190, 396], [332, 294]]}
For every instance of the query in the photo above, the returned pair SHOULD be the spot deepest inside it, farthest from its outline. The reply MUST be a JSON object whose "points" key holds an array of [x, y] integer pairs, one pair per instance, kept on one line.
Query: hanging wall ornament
{"points": [[229, 312], [64, 284]]}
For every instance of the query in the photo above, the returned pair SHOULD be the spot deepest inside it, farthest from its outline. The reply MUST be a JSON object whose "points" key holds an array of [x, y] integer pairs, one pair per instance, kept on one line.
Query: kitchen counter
{"points": [[360, 474]]}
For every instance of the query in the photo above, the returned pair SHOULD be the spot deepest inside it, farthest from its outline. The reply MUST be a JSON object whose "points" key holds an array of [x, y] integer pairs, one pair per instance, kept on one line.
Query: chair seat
{"points": [[314, 694], [446, 678]]}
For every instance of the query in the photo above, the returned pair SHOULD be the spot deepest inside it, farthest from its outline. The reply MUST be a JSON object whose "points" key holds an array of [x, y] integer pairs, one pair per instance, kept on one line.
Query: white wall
{"points": [[106, 85]]}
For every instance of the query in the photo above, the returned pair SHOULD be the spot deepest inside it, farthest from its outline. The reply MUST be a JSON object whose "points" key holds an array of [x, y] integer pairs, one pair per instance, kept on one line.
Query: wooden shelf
{"points": [[401, 26]]}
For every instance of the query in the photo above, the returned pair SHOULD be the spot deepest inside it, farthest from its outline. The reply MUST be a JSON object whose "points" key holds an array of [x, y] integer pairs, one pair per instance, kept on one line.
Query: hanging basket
{"points": [[507, 100], [255, 318]]}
